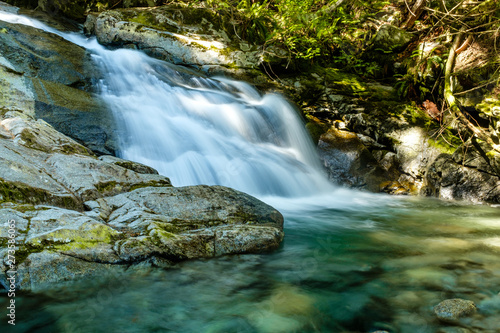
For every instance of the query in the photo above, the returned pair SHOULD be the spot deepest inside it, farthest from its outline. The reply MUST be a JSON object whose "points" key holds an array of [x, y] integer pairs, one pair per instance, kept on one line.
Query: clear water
{"points": [[374, 263], [350, 261]]}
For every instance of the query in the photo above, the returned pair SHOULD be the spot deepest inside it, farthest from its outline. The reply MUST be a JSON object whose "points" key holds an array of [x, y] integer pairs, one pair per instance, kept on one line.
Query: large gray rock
{"points": [[47, 77], [196, 37], [190, 222], [471, 173], [151, 225], [447, 179], [39, 165]]}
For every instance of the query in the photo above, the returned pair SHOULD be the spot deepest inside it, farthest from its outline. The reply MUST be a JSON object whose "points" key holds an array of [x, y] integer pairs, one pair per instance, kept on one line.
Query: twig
{"points": [[475, 88]]}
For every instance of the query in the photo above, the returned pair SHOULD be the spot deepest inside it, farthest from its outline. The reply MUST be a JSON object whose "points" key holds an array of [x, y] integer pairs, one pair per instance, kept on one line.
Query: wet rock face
{"points": [[48, 77], [349, 162], [469, 174]]}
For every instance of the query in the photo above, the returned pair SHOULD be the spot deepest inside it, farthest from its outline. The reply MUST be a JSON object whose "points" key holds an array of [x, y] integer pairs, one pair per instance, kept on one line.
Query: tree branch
{"points": [[415, 12], [450, 99]]}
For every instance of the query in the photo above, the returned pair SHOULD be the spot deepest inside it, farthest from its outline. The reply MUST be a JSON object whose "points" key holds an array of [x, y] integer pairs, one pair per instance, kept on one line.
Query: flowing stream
{"points": [[350, 261]]}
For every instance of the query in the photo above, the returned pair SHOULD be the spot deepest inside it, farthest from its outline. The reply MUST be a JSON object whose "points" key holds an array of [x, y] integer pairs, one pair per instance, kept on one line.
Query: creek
{"points": [[350, 261]]}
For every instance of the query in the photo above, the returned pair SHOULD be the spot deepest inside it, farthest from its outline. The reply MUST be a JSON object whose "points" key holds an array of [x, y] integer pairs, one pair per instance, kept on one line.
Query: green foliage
{"points": [[423, 75], [328, 31]]}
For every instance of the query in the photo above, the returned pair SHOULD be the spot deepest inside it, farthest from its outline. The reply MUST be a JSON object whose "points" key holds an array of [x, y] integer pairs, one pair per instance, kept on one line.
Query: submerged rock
{"points": [[451, 310]]}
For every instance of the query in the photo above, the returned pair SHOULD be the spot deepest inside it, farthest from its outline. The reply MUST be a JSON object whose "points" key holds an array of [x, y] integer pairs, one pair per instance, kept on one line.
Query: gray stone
{"points": [[190, 222], [163, 225], [451, 310], [447, 179], [36, 177]]}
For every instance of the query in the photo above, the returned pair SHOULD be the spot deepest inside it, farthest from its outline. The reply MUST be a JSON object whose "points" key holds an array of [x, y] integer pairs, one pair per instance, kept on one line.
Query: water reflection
{"points": [[339, 270]]}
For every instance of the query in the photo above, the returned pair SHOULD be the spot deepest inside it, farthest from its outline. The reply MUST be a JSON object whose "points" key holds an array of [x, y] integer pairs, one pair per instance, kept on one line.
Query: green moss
{"points": [[158, 237], [68, 239], [153, 183], [149, 19], [442, 145], [21, 193], [490, 106], [162, 234], [23, 252], [344, 82], [107, 187], [28, 208]]}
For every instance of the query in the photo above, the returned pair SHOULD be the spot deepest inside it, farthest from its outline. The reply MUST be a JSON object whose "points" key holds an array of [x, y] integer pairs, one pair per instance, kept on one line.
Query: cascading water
{"points": [[198, 130]]}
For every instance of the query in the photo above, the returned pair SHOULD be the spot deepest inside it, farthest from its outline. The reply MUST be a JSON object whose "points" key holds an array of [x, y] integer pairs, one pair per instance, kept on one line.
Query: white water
{"points": [[209, 131], [197, 130]]}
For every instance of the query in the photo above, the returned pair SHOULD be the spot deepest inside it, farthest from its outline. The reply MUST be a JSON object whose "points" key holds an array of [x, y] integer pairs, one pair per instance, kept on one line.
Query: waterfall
{"points": [[199, 130]]}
